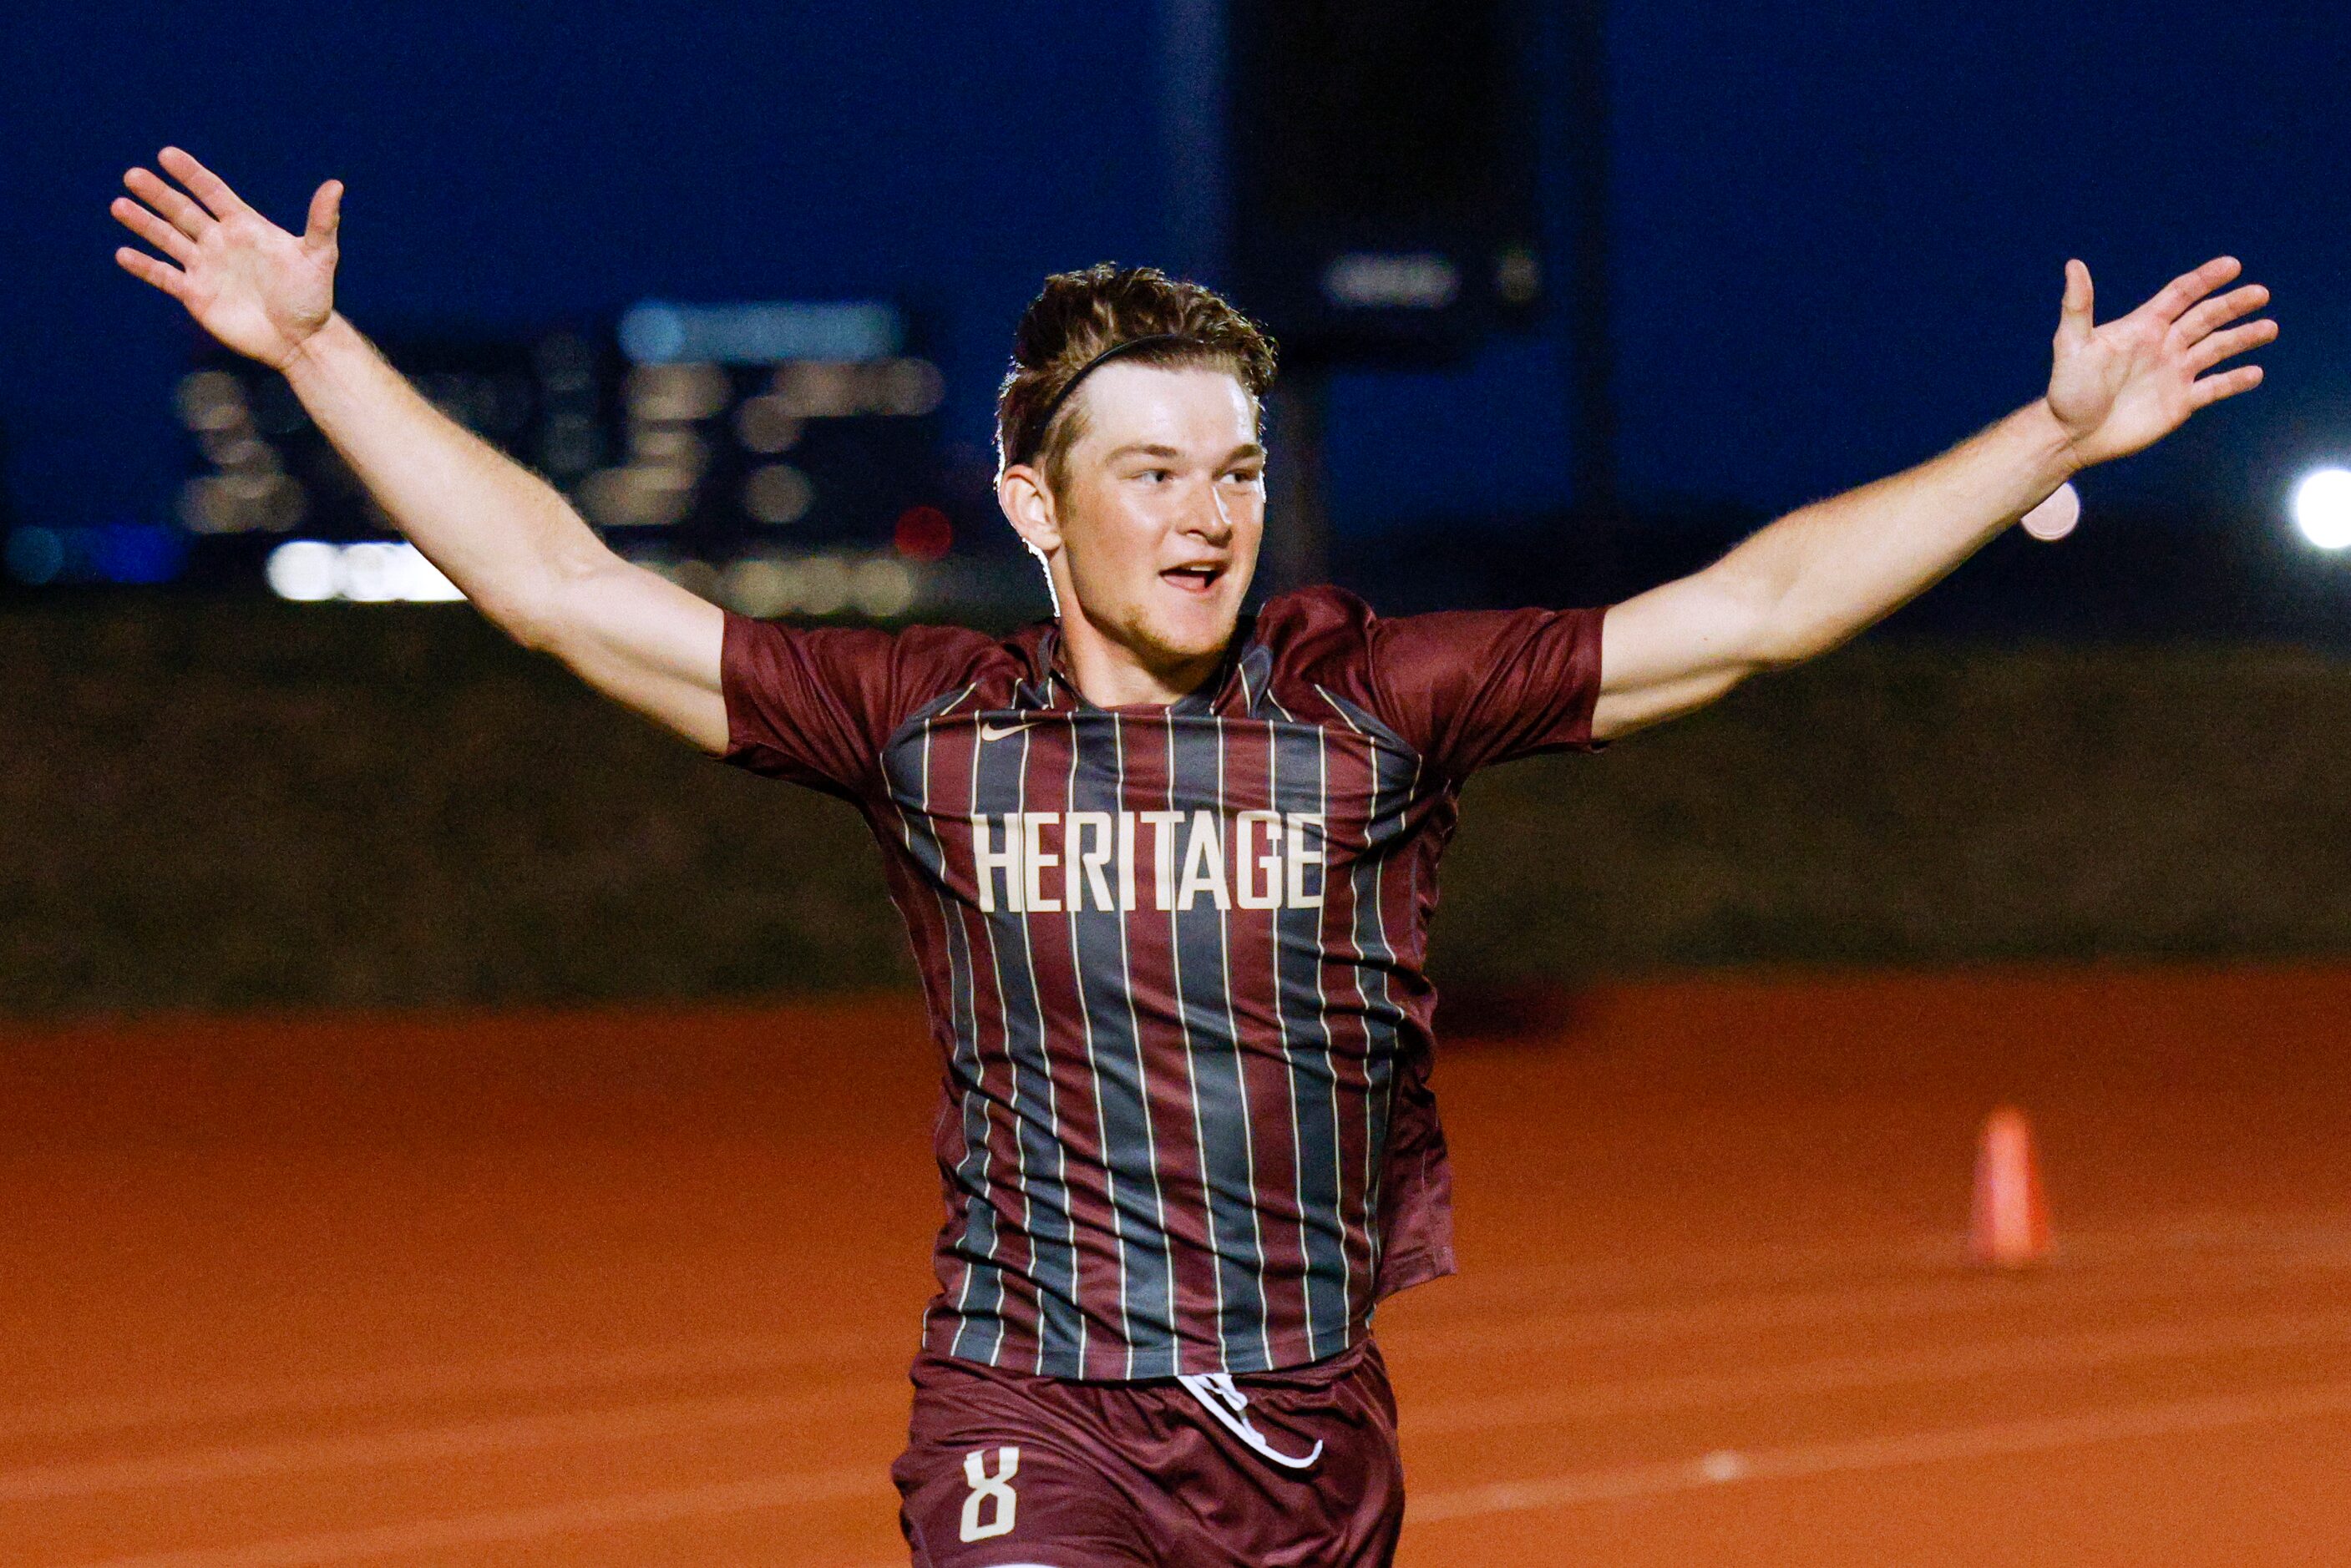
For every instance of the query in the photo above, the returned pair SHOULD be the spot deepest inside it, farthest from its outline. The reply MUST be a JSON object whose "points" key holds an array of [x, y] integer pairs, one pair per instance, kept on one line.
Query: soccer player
{"points": [[1167, 868]]}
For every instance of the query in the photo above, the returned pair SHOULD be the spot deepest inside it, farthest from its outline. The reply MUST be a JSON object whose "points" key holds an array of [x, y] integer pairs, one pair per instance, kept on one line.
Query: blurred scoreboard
{"points": [[776, 456]]}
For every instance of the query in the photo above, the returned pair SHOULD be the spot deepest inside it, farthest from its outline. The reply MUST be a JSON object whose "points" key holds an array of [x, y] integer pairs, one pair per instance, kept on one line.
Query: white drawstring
{"points": [[1224, 1400]]}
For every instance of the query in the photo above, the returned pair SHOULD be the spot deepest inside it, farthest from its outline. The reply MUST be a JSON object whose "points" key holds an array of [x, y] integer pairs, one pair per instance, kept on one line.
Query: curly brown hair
{"points": [[1077, 317]]}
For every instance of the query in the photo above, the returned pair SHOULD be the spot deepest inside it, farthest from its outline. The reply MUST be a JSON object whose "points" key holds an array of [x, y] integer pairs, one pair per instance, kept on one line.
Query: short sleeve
{"points": [[1468, 689], [816, 705]]}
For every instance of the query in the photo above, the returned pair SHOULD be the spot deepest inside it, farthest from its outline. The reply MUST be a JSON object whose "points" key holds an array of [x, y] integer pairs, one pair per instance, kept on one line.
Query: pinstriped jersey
{"points": [[1173, 956]]}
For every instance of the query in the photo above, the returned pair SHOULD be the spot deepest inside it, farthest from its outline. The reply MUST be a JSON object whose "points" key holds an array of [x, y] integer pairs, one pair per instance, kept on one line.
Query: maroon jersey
{"points": [[1174, 957]]}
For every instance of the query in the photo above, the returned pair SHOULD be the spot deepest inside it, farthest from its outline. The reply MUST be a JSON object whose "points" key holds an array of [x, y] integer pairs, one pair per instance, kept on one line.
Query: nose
{"points": [[1210, 517]]}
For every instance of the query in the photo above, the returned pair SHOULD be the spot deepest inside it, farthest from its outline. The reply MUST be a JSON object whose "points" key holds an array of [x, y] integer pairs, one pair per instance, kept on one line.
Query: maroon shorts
{"points": [[1267, 1470]]}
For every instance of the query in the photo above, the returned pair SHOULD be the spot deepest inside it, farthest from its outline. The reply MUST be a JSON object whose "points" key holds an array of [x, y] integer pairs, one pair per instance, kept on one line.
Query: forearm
{"points": [[1824, 572], [502, 534], [1818, 576]]}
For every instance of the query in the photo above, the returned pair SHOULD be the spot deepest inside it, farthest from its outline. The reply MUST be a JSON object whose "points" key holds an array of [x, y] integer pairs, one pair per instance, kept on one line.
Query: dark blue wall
{"points": [[1839, 227]]}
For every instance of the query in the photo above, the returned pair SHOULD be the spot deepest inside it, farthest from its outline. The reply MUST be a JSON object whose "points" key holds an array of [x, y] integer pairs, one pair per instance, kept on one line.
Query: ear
{"points": [[1027, 505]]}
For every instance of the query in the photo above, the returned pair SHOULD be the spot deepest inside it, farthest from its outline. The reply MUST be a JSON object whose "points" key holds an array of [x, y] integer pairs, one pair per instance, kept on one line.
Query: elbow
{"points": [[1771, 657], [531, 614], [1768, 639], [541, 608], [1751, 622], [1785, 632], [1786, 649]]}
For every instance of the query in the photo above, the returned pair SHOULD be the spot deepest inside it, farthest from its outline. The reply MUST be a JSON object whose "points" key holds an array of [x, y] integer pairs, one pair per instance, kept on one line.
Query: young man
{"points": [[1167, 869]]}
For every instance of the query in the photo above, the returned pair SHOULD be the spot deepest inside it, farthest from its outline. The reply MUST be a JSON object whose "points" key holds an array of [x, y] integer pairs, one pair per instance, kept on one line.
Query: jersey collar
{"points": [[1050, 685]]}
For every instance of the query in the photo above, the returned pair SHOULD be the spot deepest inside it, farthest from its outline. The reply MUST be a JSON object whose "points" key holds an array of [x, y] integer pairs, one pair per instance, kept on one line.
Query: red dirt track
{"points": [[639, 1288]]}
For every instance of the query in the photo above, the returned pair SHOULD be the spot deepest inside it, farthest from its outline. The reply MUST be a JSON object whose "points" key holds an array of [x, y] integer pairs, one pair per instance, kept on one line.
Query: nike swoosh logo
{"points": [[992, 733]]}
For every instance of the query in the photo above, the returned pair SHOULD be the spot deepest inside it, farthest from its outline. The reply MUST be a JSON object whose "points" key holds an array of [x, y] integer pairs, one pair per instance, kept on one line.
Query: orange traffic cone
{"points": [[2010, 1229]]}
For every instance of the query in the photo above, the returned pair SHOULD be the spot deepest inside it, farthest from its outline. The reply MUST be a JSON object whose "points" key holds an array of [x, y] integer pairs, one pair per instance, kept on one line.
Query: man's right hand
{"points": [[257, 288]]}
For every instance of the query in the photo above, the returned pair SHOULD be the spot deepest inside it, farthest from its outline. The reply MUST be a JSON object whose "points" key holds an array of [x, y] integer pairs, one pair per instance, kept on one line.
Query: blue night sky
{"points": [[1839, 229]]}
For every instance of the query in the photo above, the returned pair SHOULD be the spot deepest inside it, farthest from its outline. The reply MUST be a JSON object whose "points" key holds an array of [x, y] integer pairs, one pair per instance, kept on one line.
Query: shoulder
{"points": [[1319, 634], [1460, 688], [911, 663], [1316, 650], [1333, 637], [816, 704], [1303, 611]]}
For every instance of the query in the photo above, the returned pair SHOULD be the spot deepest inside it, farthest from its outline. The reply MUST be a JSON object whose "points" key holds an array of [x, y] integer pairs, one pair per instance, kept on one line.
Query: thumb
{"points": [[325, 215], [2075, 317]]}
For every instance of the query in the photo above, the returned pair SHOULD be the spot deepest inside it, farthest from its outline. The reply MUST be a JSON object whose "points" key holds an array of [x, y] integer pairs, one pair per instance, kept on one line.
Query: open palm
{"points": [[2126, 385], [247, 282]]}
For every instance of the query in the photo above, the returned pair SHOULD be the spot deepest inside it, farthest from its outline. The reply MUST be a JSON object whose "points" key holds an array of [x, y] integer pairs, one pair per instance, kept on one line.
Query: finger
{"points": [[151, 229], [325, 215], [2219, 311], [2173, 301], [2227, 344], [146, 269], [2228, 384], [170, 200], [2075, 315], [209, 187]]}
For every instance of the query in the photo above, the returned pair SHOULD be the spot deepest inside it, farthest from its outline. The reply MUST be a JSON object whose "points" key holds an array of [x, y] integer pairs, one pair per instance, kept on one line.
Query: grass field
{"points": [[634, 1288]]}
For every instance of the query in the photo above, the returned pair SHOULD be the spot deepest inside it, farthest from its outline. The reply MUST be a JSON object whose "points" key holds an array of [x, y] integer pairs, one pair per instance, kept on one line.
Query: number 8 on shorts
{"points": [[994, 1489]]}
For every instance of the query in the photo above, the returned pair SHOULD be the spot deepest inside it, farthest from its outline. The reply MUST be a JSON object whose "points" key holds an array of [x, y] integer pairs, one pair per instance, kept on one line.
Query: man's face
{"points": [[1160, 510]]}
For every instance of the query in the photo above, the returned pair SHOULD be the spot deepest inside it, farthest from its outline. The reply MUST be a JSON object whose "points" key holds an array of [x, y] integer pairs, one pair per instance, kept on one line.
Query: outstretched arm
{"points": [[502, 534], [1817, 576]]}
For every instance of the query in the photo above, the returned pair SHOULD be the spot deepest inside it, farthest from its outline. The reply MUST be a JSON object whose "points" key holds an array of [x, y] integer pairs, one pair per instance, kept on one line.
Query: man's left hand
{"points": [[2126, 385]]}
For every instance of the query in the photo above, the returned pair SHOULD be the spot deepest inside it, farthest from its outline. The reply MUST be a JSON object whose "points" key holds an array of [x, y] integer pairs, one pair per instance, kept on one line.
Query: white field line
{"points": [[416, 1384], [2071, 1352], [554, 1373], [420, 1445], [1589, 1283], [1598, 1277], [2002, 1440], [2319, 1240], [636, 1423], [2054, 1290], [557, 1373], [470, 1439], [578, 1518]]}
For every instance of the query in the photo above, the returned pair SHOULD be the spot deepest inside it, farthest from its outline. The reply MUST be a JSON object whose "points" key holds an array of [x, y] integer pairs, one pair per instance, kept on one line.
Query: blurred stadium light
{"points": [[125, 553], [33, 557], [773, 451], [2322, 508], [658, 333], [309, 570]]}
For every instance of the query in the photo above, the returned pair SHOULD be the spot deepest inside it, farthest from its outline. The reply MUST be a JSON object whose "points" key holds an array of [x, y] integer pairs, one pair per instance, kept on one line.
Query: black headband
{"points": [[1045, 422]]}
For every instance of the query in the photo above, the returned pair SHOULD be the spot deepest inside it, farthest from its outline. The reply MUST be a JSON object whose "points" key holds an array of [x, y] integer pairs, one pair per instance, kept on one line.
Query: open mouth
{"points": [[1193, 579]]}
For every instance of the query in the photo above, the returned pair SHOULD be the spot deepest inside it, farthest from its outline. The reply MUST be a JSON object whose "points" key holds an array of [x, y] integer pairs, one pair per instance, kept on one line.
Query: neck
{"points": [[1113, 675]]}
